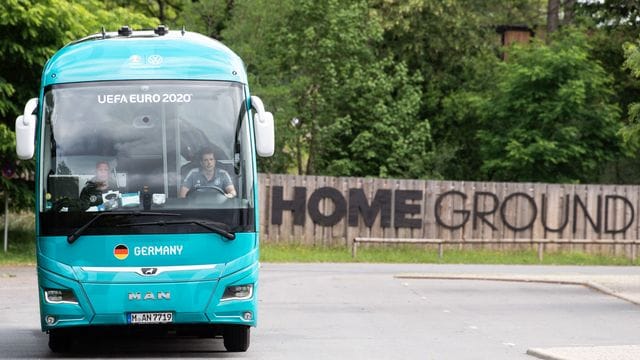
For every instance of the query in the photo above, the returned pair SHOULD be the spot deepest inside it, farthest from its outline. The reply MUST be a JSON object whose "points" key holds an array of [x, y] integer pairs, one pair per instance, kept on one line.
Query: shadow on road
{"points": [[32, 343]]}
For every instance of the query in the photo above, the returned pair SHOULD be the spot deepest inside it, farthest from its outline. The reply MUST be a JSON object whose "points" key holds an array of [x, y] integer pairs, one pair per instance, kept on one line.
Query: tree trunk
{"points": [[553, 18], [161, 16], [568, 7]]}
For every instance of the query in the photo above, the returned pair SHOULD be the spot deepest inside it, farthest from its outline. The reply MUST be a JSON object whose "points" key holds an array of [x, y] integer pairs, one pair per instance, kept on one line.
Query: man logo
{"points": [[160, 295], [149, 271]]}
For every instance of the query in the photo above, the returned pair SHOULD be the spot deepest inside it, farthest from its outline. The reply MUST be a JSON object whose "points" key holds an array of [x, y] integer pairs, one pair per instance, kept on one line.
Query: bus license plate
{"points": [[151, 318]]}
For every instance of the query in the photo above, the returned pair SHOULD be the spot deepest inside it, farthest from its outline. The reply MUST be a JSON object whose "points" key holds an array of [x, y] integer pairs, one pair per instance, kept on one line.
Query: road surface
{"points": [[364, 311]]}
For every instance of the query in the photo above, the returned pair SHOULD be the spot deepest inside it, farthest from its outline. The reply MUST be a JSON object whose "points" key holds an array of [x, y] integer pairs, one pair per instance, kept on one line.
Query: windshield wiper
{"points": [[76, 234], [215, 227]]}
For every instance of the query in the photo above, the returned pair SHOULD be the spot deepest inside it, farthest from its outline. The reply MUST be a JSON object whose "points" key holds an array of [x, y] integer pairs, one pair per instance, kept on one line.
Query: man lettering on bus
{"points": [[208, 176]]}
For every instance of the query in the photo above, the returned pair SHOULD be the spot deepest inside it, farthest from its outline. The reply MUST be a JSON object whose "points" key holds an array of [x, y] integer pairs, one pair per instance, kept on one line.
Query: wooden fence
{"points": [[335, 210]]}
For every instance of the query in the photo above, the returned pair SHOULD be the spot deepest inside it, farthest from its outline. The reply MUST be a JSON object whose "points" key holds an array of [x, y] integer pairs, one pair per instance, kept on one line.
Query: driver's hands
{"points": [[229, 195]]}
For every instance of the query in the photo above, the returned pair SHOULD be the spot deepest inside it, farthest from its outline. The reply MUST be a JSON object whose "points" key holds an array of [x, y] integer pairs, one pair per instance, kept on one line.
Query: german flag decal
{"points": [[121, 252]]}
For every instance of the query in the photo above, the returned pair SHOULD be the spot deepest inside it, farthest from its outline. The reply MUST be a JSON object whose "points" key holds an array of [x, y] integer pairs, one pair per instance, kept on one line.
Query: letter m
{"points": [[358, 204], [135, 296]]}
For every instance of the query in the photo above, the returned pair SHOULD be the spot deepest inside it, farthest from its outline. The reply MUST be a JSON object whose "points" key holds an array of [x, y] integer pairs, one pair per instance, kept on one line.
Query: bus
{"points": [[146, 188]]}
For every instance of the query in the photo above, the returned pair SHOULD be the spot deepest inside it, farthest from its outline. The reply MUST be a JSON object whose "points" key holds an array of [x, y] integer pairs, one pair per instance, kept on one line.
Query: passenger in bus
{"points": [[103, 179], [92, 195], [208, 176]]}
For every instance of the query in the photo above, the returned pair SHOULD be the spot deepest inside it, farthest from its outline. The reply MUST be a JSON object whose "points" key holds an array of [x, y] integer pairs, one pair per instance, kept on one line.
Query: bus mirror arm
{"points": [[26, 130]]}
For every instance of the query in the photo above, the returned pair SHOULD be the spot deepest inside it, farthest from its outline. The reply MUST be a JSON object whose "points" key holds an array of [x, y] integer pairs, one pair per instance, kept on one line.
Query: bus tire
{"points": [[236, 338], [59, 343]]}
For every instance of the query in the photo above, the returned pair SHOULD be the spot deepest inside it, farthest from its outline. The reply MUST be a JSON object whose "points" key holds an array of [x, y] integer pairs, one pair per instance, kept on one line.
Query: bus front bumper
{"points": [[66, 302]]}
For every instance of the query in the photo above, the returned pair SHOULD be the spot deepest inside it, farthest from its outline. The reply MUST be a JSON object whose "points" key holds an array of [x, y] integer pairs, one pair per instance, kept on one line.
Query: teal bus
{"points": [[146, 187]]}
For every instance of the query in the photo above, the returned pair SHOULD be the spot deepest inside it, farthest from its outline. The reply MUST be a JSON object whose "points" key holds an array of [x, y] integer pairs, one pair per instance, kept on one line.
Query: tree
{"points": [[357, 105], [612, 24], [210, 17], [551, 117], [611, 13], [254, 32], [631, 132], [165, 11], [556, 8], [324, 64], [15, 178], [553, 16], [453, 45], [32, 32]]}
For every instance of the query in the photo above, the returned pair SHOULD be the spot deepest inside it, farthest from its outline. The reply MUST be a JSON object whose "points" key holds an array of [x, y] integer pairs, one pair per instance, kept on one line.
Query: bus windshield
{"points": [[180, 146]]}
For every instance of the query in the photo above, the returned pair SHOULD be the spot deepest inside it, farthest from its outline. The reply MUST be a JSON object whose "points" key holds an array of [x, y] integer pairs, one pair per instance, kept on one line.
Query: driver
{"points": [[208, 176]]}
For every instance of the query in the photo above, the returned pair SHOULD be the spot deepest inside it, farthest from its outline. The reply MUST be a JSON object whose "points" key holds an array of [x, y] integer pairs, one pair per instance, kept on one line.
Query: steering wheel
{"points": [[209, 188], [207, 194]]}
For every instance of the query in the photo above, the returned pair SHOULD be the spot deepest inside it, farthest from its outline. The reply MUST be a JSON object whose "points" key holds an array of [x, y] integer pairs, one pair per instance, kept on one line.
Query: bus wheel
{"points": [[236, 338], [59, 343]]}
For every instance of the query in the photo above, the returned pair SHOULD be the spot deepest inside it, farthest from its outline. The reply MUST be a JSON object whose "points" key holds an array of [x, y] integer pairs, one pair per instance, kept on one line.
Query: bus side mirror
{"points": [[26, 131], [264, 128]]}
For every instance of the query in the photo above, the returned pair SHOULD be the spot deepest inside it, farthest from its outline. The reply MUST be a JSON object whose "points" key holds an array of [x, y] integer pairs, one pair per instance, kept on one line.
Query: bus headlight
{"points": [[238, 292], [60, 296]]}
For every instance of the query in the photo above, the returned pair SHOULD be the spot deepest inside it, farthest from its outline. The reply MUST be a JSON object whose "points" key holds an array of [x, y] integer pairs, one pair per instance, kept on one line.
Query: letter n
{"points": [[597, 224]]}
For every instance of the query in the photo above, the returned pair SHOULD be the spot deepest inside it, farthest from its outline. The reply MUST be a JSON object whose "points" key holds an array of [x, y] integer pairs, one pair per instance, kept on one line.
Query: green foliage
{"points": [[323, 63], [412, 89], [164, 11], [388, 88], [32, 32], [14, 180], [208, 17], [550, 117], [631, 132], [612, 23], [453, 45], [21, 244], [611, 13], [253, 32]]}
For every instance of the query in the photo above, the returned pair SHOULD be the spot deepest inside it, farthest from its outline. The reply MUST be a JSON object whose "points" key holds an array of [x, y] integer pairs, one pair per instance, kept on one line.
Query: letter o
{"points": [[504, 216], [338, 201]]}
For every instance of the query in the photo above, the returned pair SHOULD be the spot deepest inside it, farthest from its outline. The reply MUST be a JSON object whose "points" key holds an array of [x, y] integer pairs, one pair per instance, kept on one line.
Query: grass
{"points": [[21, 251], [22, 247], [420, 255]]}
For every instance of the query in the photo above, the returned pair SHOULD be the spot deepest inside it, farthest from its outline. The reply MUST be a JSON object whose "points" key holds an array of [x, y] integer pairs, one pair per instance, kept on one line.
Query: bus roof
{"points": [[148, 54]]}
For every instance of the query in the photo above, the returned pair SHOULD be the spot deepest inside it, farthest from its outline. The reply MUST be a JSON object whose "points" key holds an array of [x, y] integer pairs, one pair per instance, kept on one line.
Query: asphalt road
{"points": [[361, 311]]}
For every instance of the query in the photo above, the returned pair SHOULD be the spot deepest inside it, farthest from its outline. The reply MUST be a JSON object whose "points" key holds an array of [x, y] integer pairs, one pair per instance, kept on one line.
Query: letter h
{"points": [[297, 206]]}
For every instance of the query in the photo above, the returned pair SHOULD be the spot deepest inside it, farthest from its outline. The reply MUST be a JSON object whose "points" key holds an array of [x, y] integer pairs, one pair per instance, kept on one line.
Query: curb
{"points": [[606, 352], [541, 354], [525, 278]]}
